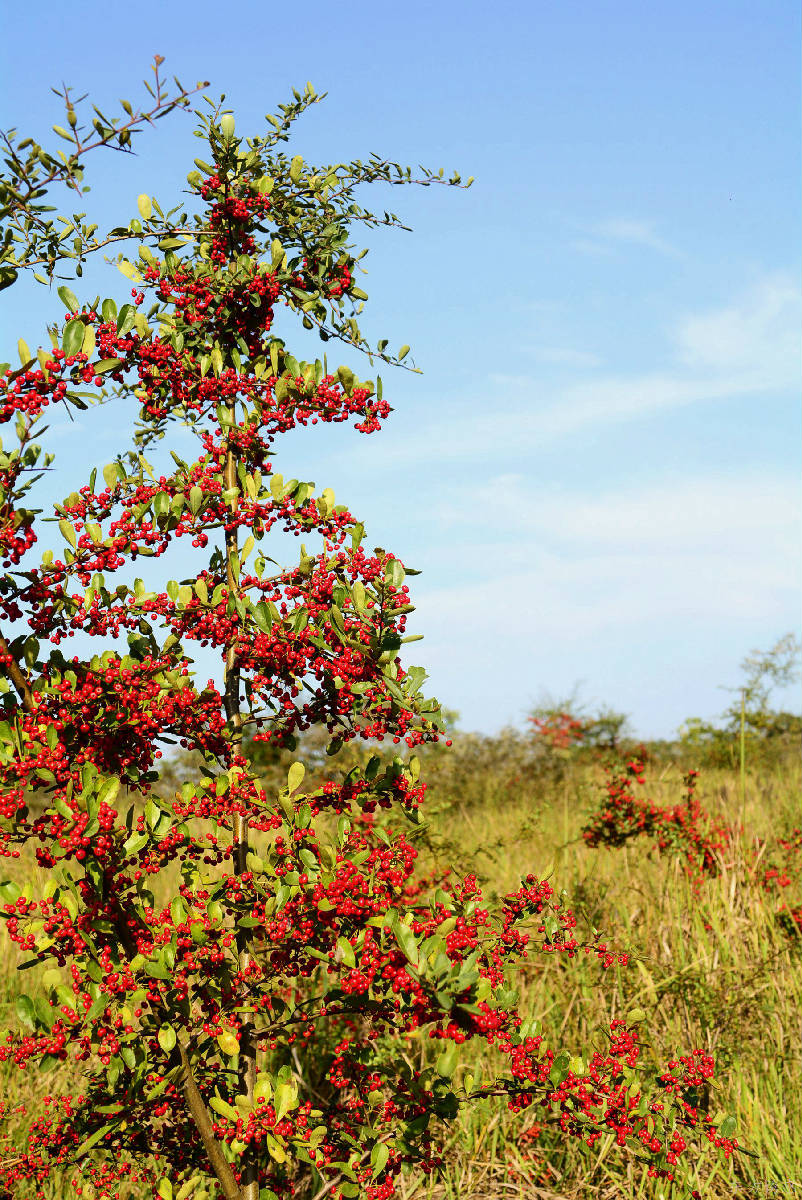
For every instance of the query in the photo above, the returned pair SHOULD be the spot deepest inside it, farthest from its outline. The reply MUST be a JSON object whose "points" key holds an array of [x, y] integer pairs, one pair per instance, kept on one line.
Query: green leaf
{"points": [[727, 1127], [99, 1006], [195, 500], [357, 534], [108, 792], [110, 475], [94, 1138], [551, 926], [228, 1043], [125, 319], [67, 532], [227, 126], [156, 969], [106, 364], [346, 378], [262, 616], [406, 940], [129, 270], [560, 1068], [167, 1038], [68, 299], [275, 1149], [447, 1061], [286, 1098], [188, 1186], [161, 504], [403, 352], [295, 776], [73, 337], [26, 1011], [347, 951], [394, 573], [378, 1158], [327, 501], [25, 355], [224, 1108], [135, 843], [296, 167], [145, 206]]}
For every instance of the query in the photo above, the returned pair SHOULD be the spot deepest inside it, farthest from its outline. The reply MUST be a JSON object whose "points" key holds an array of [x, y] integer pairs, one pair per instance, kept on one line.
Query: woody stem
{"points": [[16, 675], [247, 1051]]}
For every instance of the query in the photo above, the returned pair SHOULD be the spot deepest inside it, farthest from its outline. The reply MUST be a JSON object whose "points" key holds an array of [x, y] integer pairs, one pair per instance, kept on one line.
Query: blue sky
{"points": [[598, 471]]}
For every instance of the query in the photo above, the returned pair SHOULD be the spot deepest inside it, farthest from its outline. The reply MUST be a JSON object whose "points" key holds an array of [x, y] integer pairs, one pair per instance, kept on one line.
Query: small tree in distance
{"points": [[240, 973], [566, 725], [751, 728]]}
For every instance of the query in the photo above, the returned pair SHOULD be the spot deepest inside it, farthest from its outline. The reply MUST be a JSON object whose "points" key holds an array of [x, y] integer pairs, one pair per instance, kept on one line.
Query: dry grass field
{"points": [[713, 965]]}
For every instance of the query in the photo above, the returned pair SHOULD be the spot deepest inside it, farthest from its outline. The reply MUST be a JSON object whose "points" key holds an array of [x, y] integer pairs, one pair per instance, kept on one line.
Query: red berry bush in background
{"points": [[684, 829], [693, 835], [567, 726], [559, 730], [236, 970], [780, 872]]}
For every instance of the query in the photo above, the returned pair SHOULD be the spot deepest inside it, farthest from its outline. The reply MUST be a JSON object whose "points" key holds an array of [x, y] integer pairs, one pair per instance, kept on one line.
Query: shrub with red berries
{"points": [[684, 829], [236, 971]]}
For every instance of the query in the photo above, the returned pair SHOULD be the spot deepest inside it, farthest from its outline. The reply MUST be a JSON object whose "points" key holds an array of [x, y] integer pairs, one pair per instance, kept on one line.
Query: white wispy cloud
{"points": [[758, 335], [564, 356], [636, 233], [593, 247], [747, 347], [607, 236], [725, 515], [583, 584]]}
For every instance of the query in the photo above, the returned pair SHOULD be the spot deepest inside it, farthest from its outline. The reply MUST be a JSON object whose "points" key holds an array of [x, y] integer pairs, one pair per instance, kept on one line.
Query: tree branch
{"points": [[200, 1116], [16, 675]]}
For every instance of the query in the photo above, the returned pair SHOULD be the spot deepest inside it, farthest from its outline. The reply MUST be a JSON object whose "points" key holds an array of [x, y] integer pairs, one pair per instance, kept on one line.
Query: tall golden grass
{"points": [[711, 965]]}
